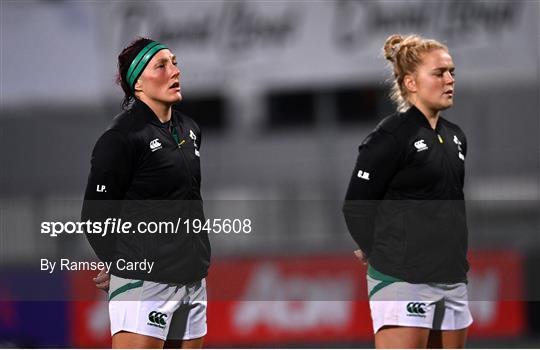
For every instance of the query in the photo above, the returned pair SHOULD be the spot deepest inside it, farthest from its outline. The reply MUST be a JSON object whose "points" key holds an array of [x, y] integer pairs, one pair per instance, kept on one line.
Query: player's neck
{"points": [[431, 115], [161, 110]]}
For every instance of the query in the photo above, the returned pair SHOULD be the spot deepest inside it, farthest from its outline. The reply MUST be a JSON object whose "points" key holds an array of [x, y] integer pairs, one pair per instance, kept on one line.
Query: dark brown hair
{"points": [[124, 61]]}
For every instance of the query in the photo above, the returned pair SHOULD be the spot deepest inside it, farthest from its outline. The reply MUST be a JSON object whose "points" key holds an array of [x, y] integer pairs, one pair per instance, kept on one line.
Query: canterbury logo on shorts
{"points": [[157, 319], [416, 309]]}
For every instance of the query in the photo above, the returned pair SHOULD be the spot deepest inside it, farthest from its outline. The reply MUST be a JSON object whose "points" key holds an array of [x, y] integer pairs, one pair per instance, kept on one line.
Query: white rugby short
{"points": [[164, 311], [436, 306]]}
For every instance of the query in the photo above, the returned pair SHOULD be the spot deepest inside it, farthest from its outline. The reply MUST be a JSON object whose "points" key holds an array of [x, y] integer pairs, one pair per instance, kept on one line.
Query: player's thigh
{"points": [[140, 311], [454, 339], [129, 340], [184, 344], [393, 337]]}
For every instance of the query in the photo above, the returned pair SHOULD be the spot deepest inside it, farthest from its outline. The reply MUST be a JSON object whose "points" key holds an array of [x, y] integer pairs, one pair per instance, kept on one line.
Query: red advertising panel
{"points": [[89, 313], [496, 292], [288, 300], [323, 299]]}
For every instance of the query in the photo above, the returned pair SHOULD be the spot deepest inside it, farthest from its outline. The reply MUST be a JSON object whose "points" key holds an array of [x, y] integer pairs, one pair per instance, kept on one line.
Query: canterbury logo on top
{"points": [[155, 145], [420, 145]]}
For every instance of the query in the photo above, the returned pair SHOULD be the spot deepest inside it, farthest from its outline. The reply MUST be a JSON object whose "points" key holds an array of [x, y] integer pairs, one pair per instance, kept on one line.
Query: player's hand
{"points": [[361, 256], [102, 280]]}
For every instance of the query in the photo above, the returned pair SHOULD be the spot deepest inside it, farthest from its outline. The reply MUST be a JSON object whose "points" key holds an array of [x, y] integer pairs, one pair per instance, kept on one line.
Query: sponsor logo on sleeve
{"points": [[458, 143]]}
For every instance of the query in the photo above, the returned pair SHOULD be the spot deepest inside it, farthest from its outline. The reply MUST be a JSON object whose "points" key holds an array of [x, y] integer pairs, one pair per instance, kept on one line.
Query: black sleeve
{"points": [[377, 162], [109, 179]]}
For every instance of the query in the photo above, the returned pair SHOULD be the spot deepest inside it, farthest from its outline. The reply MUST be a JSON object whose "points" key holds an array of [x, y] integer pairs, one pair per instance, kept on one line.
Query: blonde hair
{"points": [[405, 54]]}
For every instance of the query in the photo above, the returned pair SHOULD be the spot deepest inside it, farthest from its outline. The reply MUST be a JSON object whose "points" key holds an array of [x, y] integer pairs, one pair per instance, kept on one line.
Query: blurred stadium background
{"points": [[284, 92]]}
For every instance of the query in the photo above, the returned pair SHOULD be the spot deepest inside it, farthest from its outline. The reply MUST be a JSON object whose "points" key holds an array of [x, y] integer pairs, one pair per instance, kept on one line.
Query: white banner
{"points": [[74, 45]]}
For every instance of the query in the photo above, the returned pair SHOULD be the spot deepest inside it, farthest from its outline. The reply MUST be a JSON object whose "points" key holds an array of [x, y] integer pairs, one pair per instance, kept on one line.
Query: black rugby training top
{"points": [[405, 205], [145, 171]]}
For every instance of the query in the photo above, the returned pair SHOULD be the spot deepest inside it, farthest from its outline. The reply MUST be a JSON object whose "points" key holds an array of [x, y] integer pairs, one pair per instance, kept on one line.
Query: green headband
{"points": [[140, 61]]}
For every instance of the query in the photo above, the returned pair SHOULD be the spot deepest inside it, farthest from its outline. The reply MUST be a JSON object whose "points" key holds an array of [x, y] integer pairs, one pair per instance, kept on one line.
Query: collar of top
{"points": [[419, 117], [142, 110], [141, 61]]}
